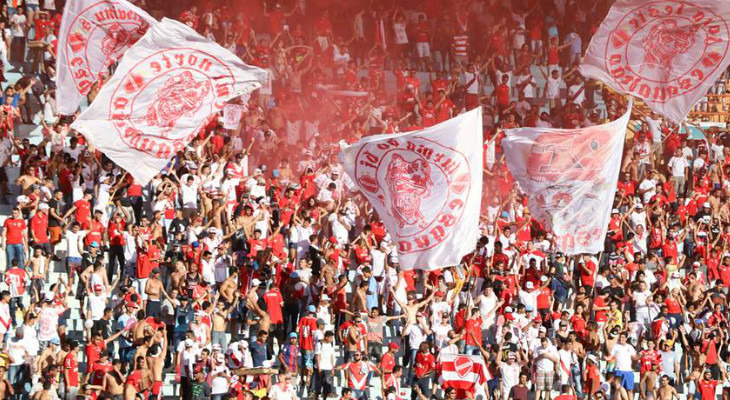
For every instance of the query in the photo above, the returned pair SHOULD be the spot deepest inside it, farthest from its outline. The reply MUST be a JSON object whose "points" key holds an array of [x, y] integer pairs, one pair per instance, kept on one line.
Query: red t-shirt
{"points": [[83, 210], [93, 353], [116, 233], [307, 326], [273, 300], [707, 389], [96, 233], [14, 228], [425, 363], [71, 367], [39, 226]]}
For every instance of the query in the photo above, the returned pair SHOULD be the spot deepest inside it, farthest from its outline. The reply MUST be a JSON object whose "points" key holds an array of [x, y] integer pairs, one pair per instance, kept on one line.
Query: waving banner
{"points": [[94, 34], [426, 186], [465, 373], [666, 52], [570, 177], [165, 90]]}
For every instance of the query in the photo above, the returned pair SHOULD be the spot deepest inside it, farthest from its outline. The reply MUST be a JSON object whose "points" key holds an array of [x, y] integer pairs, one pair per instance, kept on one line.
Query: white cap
{"points": [[706, 204], [325, 297], [542, 329], [255, 282], [639, 206], [188, 342], [529, 285], [543, 278], [614, 211], [43, 206], [593, 358], [507, 310], [48, 296]]}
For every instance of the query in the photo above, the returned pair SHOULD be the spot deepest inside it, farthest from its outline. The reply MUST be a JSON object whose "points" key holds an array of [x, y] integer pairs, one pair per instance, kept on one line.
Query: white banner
{"points": [[426, 186], [666, 52], [570, 177], [462, 372], [94, 34], [165, 90]]}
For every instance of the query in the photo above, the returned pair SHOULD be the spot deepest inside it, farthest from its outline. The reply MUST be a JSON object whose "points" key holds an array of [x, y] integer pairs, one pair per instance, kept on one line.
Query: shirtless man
{"points": [[252, 304], [152, 289], [48, 355], [45, 393], [139, 381], [666, 391], [228, 289], [39, 265], [6, 389], [177, 277], [156, 362], [220, 318], [410, 310], [113, 383], [647, 384]]}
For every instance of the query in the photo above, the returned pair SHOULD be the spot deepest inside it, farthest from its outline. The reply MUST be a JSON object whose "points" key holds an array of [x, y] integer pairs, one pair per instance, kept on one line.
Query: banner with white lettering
{"points": [[666, 52], [166, 89], [426, 187], [94, 34], [570, 177]]}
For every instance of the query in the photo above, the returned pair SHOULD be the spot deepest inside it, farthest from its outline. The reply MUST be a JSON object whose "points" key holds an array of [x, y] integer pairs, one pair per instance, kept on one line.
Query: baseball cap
{"points": [[188, 342], [293, 335], [255, 282], [393, 346], [155, 270], [48, 296], [529, 285], [543, 278], [94, 244], [312, 308], [542, 329], [706, 204], [507, 310], [294, 275], [43, 206], [614, 211], [56, 341]]}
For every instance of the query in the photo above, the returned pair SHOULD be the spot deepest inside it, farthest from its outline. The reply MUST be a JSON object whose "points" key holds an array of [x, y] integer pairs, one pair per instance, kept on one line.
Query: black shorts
{"points": [[3, 175]]}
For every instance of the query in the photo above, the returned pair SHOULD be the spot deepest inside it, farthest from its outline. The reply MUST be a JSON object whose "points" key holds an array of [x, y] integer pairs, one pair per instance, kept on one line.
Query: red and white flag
{"points": [[570, 178], [465, 373], [666, 52], [94, 34], [166, 89], [426, 186]]}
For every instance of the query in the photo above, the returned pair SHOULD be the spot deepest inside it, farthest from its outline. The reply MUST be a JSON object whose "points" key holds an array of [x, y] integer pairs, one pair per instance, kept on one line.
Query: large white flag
{"points": [[94, 34], [666, 52], [165, 90], [570, 177], [426, 186]]}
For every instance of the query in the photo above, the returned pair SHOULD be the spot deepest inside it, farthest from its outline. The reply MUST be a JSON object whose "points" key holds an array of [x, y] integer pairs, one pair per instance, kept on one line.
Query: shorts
{"points": [[56, 234], [423, 50], [308, 359], [544, 380], [31, 7], [627, 379]]}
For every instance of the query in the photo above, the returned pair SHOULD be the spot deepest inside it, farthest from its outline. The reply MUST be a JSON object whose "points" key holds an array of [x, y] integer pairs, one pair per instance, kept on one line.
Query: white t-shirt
{"points": [[327, 355], [510, 375], [678, 165], [97, 303], [545, 364], [219, 384], [72, 243], [623, 354], [399, 28], [17, 25]]}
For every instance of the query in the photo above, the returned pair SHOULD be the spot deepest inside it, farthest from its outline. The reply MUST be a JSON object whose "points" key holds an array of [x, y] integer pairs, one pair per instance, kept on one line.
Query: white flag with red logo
{"points": [[426, 187], [570, 178], [94, 34], [166, 89], [666, 52], [462, 372]]}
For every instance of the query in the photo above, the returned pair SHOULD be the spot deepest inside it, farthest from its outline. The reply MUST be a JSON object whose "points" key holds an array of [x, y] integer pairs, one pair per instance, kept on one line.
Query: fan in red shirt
{"points": [[82, 209], [425, 364], [39, 227]]}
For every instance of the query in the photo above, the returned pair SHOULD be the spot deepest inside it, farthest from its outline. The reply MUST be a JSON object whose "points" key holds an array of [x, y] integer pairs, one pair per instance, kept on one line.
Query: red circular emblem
{"points": [[665, 49], [161, 90], [420, 184], [115, 28]]}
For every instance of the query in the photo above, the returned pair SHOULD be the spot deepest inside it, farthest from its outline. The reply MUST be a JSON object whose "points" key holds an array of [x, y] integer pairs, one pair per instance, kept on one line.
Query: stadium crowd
{"points": [[250, 268]]}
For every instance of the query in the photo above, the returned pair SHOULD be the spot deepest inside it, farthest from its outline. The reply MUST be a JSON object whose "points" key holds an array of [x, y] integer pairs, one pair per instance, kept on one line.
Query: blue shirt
{"points": [[258, 353], [13, 103]]}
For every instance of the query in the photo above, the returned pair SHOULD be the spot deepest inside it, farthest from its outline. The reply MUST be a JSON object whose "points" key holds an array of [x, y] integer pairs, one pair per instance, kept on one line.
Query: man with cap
{"points": [[39, 229], [325, 356], [357, 371], [289, 355], [509, 370], [388, 361], [306, 328]]}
